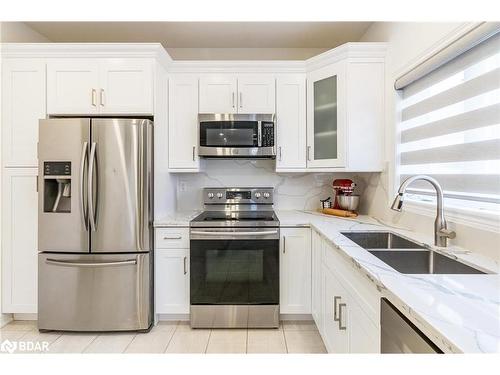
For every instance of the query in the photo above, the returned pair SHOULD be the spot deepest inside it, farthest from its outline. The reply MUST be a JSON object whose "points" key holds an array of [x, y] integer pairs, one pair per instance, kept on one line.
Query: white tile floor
{"points": [[176, 337]]}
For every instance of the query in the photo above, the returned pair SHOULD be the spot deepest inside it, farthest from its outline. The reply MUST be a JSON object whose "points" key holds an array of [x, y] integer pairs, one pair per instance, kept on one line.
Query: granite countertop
{"points": [[459, 313]]}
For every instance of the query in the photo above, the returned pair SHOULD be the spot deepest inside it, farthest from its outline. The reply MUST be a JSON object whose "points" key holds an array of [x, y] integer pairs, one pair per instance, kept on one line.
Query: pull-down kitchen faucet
{"points": [[441, 232]]}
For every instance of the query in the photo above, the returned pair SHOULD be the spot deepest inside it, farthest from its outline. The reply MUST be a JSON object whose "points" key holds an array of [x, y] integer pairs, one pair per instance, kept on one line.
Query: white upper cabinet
{"points": [[126, 86], [183, 123], [72, 86], [295, 271], [218, 94], [291, 122], [100, 86], [256, 94], [23, 104], [237, 94], [326, 117]]}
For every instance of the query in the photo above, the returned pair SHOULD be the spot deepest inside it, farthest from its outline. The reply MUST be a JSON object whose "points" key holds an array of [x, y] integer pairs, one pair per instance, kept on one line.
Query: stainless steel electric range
{"points": [[235, 260]]}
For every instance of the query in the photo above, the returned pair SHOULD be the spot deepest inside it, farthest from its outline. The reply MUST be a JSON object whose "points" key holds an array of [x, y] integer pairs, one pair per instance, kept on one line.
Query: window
{"points": [[450, 129]]}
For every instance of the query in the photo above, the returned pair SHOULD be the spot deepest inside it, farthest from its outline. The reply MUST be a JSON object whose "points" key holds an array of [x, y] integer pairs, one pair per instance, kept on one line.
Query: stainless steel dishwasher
{"points": [[399, 335]]}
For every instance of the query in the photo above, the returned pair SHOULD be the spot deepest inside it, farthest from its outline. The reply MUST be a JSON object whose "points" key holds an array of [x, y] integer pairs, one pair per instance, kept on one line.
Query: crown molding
{"points": [[86, 50]]}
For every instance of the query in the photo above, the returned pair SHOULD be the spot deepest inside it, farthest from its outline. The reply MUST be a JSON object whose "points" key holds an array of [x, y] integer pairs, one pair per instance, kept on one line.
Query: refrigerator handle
{"points": [[92, 209], [83, 204]]}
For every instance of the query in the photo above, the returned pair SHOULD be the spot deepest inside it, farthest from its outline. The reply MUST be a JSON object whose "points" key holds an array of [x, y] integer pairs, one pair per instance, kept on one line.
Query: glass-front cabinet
{"points": [[326, 117]]}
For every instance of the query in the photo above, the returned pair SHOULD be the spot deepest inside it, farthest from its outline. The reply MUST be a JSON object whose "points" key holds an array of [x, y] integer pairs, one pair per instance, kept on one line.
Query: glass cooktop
{"points": [[235, 218]]}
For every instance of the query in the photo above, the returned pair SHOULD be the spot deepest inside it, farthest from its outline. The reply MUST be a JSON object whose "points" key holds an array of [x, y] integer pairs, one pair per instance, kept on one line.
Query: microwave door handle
{"points": [[259, 133]]}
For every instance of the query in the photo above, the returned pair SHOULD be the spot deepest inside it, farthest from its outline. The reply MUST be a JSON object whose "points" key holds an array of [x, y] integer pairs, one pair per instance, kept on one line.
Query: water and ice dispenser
{"points": [[57, 186]]}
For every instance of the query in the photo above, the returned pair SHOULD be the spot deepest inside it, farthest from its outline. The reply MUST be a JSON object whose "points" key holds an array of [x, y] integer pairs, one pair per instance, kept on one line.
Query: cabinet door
{"points": [[335, 338], [218, 94], [172, 281], [291, 122], [326, 117], [72, 87], [19, 240], [364, 335], [316, 249], [256, 94], [126, 87], [183, 123], [23, 104], [295, 271]]}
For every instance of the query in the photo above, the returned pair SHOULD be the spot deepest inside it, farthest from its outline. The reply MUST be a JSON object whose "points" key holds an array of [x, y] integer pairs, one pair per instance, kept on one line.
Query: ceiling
{"points": [[208, 34]]}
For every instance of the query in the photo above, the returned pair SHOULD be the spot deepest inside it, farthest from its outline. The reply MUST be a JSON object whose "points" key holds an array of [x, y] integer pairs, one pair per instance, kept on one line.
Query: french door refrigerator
{"points": [[95, 213]]}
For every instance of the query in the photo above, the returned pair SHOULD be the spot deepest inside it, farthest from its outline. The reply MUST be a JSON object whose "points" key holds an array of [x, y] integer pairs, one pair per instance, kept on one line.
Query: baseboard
{"points": [[5, 319], [170, 317], [24, 316], [296, 317]]}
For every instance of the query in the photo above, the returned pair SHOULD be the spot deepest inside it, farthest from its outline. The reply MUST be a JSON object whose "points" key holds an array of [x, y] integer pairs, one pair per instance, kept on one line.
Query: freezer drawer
{"points": [[85, 292]]}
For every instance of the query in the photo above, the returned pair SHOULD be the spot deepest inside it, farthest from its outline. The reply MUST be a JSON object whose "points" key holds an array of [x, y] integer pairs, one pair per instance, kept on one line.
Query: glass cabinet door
{"points": [[325, 121]]}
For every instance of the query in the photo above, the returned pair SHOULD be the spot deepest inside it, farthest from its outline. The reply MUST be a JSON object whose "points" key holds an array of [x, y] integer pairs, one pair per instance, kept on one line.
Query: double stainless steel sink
{"points": [[407, 256]]}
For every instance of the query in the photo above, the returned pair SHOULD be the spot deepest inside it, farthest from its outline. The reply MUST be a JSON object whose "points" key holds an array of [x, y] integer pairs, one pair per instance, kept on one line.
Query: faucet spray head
{"points": [[397, 205]]}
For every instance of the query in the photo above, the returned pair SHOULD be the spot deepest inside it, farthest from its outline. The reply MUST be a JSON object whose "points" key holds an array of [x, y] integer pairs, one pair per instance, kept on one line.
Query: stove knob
{"points": [[211, 195], [266, 195], [257, 195], [219, 195]]}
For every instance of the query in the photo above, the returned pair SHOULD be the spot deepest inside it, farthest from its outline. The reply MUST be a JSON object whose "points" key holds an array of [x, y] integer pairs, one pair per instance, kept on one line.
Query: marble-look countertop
{"points": [[459, 313], [176, 219]]}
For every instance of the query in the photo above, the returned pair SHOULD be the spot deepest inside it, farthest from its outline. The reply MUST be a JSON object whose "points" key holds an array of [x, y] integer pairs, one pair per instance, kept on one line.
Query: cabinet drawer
{"points": [[172, 238], [361, 289]]}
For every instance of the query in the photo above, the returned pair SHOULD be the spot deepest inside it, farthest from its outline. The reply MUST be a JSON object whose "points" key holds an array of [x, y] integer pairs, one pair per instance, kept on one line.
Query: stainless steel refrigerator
{"points": [[95, 214]]}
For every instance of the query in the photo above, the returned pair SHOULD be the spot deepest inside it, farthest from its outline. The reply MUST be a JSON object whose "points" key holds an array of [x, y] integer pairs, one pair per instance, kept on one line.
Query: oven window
{"points": [[229, 134], [234, 272]]}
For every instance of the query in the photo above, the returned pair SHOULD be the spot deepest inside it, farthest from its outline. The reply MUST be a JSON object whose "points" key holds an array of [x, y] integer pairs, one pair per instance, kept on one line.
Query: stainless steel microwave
{"points": [[237, 136]]}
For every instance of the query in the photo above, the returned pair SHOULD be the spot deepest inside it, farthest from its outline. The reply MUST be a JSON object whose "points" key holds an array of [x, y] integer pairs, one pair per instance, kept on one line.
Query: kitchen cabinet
{"points": [[183, 124], [19, 240], [100, 86], [316, 279], [345, 104], [23, 104], [237, 94], [172, 281], [295, 271], [291, 122]]}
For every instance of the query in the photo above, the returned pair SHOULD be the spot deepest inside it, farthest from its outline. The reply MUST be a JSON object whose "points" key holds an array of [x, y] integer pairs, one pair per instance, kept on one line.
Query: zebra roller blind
{"points": [[450, 129]]}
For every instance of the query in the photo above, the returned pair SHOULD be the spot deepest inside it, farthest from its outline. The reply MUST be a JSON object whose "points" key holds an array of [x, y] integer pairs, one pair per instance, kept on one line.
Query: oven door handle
{"points": [[262, 233]]}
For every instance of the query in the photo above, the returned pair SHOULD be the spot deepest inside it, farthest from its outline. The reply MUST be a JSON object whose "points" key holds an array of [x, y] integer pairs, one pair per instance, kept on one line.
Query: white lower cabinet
{"points": [[295, 271], [348, 320], [316, 287], [19, 240], [172, 281]]}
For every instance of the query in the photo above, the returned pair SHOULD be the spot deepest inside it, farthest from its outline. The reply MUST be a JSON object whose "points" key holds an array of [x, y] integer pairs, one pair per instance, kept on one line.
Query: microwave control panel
{"points": [[267, 134]]}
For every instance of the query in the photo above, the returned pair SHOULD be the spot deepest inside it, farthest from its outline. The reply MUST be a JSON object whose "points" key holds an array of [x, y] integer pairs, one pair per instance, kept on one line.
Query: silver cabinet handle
{"points": [[233, 99], [341, 327], [90, 188], [101, 97], [284, 244], [68, 263], [94, 98], [172, 237], [194, 152], [241, 100], [280, 154], [309, 153], [83, 204], [185, 266], [335, 299]]}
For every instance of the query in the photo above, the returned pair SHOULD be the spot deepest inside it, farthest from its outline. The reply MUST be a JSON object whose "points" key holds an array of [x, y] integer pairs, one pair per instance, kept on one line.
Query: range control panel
{"points": [[238, 195]]}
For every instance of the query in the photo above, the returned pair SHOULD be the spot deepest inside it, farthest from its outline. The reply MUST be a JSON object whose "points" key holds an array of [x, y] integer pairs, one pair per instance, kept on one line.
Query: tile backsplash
{"points": [[292, 190]]}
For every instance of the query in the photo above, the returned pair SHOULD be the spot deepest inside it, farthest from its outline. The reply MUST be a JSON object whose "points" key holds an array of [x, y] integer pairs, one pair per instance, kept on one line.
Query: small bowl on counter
{"points": [[348, 202]]}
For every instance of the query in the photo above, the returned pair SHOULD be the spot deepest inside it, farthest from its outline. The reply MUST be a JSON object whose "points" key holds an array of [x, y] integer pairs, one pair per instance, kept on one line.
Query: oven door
{"points": [[238, 271]]}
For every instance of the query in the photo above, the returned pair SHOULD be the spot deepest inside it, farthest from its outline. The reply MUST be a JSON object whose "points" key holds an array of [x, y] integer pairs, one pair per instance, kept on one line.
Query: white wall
{"points": [[244, 53], [406, 43], [19, 32]]}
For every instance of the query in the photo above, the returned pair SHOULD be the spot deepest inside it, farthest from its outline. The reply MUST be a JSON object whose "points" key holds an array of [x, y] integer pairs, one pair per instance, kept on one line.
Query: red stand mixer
{"points": [[342, 186]]}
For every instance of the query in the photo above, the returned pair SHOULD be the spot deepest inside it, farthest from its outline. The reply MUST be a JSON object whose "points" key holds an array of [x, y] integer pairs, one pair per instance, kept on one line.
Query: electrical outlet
{"points": [[182, 186]]}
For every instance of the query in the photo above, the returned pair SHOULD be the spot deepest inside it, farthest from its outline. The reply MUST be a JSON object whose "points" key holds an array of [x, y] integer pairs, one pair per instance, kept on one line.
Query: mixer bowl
{"points": [[348, 202]]}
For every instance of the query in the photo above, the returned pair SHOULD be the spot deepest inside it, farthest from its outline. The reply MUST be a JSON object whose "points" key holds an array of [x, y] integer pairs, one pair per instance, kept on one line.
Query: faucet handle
{"points": [[444, 232]]}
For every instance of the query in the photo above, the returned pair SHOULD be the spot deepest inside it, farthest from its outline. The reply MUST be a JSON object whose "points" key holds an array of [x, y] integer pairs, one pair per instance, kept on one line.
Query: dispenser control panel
{"points": [[57, 168]]}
